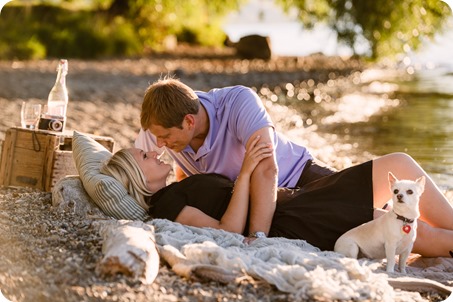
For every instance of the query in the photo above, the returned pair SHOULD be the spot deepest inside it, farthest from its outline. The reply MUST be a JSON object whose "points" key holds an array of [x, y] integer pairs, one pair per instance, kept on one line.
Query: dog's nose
{"points": [[399, 197]]}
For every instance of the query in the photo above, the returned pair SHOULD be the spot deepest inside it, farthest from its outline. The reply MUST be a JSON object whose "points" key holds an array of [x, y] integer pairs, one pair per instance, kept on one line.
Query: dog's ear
{"points": [[421, 182], [392, 178]]}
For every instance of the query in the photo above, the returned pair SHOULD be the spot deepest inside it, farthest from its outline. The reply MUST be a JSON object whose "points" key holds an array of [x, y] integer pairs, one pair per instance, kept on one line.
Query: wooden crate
{"points": [[39, 158]]}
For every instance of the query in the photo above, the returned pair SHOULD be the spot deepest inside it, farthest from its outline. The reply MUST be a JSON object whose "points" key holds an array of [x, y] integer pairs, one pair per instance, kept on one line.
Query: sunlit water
{"points": [[390, 114], [421, 125]]}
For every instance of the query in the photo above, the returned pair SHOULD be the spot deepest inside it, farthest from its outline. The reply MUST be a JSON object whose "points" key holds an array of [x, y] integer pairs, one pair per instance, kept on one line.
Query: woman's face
{"points": [[155, 171]]}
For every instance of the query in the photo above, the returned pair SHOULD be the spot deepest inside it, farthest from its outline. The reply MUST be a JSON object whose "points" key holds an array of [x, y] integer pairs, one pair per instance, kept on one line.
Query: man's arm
{"points": [[263, 187]]}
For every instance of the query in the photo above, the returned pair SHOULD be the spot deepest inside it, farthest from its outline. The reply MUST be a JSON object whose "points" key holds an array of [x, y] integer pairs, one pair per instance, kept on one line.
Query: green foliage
{"points": [[73, 29], [90, 29], [31, 48], [385, 27], [197, 21], [47, 31]]}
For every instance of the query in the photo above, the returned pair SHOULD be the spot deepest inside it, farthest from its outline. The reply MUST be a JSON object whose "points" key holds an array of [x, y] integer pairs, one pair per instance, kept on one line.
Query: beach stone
{"points": [[254, 47]]}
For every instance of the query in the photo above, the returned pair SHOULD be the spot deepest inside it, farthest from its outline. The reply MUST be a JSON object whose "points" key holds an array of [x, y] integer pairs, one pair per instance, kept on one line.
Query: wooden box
{"points": [[39, 158]]}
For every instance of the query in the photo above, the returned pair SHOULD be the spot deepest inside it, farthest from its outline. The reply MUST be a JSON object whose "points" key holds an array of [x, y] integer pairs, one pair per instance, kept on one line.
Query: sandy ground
{"points": [[49, 255]]}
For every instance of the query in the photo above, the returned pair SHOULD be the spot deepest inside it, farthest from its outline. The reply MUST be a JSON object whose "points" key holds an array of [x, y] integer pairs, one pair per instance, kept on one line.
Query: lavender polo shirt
{"points": [[235, 113]]}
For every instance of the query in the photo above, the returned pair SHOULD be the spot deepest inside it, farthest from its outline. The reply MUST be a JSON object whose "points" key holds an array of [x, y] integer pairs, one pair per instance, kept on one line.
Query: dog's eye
{"points": [[396, 191], [409, 192]]}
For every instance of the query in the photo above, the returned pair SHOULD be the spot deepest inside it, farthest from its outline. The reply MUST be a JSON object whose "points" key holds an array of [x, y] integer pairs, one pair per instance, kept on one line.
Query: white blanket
{"points": [[293, 266]]}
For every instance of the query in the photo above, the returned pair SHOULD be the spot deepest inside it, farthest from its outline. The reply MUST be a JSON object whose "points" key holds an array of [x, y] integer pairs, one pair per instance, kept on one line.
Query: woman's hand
{"points": [[254, 154]]}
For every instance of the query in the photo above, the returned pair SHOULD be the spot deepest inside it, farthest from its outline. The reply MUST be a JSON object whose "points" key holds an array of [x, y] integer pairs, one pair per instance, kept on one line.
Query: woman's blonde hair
{"points": [[123, 167]]}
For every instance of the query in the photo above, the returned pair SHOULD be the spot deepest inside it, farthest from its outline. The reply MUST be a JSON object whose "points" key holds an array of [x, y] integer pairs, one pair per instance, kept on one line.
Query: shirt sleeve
{"points": [[210, 193], [247, 114], [170, 205]]}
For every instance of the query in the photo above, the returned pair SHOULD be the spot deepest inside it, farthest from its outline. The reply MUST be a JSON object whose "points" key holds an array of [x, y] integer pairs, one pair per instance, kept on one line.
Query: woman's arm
{"points": [[235, 216]]}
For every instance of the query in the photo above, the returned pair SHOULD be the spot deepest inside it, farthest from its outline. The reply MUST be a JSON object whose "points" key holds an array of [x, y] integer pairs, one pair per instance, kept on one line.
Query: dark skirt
{"points": [[325, 208]]}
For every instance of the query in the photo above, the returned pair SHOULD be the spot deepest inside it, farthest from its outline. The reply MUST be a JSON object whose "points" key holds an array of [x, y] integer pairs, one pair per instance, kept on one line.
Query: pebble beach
{"points": [[51, 255]]}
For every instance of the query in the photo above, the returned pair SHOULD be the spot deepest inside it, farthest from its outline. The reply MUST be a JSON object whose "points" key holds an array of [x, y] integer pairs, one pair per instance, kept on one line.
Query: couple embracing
{"points": [[236, 172]]}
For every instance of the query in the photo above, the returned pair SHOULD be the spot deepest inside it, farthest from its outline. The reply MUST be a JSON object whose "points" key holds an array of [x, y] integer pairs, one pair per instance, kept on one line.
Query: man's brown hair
{"points": [[167, 102]]}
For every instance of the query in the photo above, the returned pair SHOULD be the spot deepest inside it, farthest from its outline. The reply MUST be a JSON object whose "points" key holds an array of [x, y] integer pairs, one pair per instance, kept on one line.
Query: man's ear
{"points": [[190, 120]]}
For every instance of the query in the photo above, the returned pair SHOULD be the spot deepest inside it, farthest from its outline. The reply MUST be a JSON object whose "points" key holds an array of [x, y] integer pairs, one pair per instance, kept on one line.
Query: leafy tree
{"points": [[101, 28], [194, 21], [382, 27], [386, 27]]}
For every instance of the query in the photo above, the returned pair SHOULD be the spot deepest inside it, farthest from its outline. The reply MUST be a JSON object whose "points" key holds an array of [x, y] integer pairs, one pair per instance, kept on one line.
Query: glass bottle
{"points": [[57, 102]]}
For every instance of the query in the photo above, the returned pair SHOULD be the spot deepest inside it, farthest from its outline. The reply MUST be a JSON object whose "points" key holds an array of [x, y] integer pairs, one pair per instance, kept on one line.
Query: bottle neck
{"points": [[61, 76]]}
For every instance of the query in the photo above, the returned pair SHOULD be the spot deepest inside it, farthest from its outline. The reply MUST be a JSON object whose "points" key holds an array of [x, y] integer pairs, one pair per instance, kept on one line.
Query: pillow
{"points": [[108, 193]]}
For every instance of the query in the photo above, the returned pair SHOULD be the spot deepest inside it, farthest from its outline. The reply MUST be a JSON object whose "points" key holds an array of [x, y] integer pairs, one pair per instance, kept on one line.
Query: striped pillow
{"points": [[108, 193]]}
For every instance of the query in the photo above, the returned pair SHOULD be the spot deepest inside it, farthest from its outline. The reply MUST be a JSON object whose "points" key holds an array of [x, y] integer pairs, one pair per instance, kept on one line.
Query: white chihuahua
{"points": [[391, 234]]}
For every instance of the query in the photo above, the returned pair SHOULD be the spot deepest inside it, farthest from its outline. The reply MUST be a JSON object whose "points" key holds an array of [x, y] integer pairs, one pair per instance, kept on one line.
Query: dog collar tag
{"points": [[406, 228]]}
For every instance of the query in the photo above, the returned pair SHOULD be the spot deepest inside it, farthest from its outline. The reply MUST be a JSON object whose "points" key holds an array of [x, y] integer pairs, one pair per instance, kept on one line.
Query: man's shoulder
{"points": [[223, 91]]}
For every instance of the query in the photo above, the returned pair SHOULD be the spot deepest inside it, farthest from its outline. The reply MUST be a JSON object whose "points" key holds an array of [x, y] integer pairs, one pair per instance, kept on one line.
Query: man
{"points": [[207, 132]]}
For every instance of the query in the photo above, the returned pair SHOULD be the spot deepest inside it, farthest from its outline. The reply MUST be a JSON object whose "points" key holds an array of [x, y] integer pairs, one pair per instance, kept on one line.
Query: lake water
{"points": [[421, 125]]}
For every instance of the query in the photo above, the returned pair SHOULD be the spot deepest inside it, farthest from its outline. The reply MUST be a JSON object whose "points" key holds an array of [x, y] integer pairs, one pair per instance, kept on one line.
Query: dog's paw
{"points": [[390, 269]]}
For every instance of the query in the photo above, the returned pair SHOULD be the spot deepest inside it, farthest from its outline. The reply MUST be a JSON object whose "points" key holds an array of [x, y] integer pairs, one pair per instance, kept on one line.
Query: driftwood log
{"points": [[68, 195], [419, 285], [200, 272], [128, 246]]}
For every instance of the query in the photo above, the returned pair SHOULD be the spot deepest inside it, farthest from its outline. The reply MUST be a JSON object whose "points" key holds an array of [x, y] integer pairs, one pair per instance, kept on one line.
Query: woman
{"points": [[319, 212], [143, 173]]}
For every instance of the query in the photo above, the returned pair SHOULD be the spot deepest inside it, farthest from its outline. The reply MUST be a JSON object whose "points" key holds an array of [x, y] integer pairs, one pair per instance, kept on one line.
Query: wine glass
{"points": [[29, 115]]}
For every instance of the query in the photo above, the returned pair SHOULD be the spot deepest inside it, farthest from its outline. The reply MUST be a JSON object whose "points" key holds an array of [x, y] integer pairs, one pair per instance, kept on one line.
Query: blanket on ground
{"points": [[293, 265]]}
